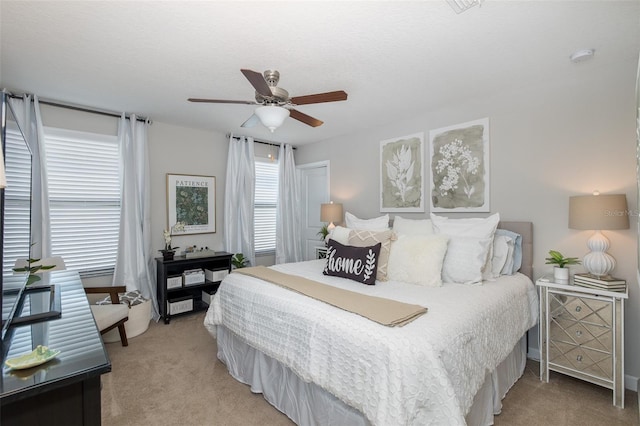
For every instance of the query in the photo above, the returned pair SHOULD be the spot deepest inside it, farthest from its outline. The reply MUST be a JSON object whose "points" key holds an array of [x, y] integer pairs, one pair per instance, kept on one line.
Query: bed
{"points": [[321, 365]]}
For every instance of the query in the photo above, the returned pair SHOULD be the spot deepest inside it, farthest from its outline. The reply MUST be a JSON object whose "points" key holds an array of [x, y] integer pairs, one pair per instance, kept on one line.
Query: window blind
{"points": [[265, 203], [17, 200], [84, 199]]}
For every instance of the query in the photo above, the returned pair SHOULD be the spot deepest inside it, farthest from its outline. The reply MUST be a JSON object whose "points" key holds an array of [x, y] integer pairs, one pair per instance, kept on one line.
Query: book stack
{"points": [[608, 282]]}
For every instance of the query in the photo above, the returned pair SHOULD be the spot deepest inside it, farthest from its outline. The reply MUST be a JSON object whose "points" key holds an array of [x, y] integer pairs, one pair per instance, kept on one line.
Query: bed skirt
{"points": [[307, 404]]}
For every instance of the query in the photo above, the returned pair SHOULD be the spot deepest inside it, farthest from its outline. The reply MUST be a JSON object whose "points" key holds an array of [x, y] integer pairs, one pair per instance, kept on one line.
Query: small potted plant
{"points": [[560, 273], [239, 261]]}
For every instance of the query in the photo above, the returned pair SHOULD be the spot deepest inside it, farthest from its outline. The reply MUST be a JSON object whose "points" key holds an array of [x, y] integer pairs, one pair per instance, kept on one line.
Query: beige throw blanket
{"points": [[383, 311]]}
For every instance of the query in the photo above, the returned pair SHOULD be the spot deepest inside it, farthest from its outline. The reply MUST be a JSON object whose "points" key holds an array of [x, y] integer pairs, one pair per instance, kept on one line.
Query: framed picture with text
{"points": [[191, 200]]}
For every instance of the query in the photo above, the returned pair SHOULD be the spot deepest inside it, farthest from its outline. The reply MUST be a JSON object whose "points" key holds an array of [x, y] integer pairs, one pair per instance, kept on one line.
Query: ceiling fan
{"points": [[275, 101]]}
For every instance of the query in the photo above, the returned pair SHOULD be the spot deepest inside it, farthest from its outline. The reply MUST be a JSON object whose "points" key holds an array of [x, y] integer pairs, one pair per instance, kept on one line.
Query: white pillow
{"points": [[502, 250], [376, 224], [339, 234], [509, 264], [402, 226], [475, 237], [417, 259]]}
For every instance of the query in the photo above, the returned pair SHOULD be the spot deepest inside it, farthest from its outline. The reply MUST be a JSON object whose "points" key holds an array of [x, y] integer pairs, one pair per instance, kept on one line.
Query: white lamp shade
{"points": [[330, 212], [272, 116]]}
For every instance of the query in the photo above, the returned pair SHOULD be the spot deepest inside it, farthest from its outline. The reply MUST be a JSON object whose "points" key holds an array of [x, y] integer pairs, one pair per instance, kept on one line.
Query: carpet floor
{"points": [[170, 375]]}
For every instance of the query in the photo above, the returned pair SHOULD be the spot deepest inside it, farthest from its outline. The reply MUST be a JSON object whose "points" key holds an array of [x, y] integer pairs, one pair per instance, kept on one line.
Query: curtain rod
{"points": [[84, 108], [259, 141]]}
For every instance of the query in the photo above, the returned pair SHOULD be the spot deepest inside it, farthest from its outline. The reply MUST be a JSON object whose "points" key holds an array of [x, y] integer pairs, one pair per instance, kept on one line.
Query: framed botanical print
{"points": [[460, 167], [191, 200], [402, 174]]}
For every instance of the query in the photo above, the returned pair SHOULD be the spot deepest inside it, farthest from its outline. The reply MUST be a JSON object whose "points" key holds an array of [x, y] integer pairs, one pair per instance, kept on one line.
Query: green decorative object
{"points": [[239, 261], [33, 269], [556, 258], [323, 232]]}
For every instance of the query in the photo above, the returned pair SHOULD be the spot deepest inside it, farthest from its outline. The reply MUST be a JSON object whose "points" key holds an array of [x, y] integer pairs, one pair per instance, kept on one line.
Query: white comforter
{"points": [[426, 372]]}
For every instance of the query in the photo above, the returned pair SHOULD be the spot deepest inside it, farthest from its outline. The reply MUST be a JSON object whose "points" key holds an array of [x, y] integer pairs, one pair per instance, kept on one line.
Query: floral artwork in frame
{"points": [[460, 167], [402, 174], [191, 200]]}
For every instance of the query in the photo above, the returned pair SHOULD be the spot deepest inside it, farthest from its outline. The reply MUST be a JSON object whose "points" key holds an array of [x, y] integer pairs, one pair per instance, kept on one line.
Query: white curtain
{"points": [[134, 263], [239, 198], [27, 111], [288, 229]]}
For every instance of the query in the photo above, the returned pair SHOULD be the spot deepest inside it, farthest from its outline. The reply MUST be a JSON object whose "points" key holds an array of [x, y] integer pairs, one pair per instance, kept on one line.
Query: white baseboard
{"points": [[631, 382]]}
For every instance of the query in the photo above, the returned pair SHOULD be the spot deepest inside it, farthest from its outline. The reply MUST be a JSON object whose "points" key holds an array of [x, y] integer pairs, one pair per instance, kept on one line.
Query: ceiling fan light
{"points": [[272, 116]]}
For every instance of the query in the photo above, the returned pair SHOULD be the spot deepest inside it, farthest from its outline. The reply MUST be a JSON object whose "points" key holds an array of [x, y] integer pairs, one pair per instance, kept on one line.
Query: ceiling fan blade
{"points": [[338, 95], [306, 119], [251, 121], [221, 101], [258, 82]]}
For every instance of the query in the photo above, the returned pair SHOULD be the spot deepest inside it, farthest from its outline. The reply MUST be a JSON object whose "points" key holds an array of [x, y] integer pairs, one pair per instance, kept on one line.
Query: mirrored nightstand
{"points": [[582, 334]]}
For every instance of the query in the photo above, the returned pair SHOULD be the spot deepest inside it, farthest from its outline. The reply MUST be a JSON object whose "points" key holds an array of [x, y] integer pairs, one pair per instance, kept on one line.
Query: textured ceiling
{"points": [[394, 59]]}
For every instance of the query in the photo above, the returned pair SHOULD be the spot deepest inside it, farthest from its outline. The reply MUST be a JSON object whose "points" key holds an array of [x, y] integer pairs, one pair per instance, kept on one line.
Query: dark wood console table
{"points": [[66, 390]]}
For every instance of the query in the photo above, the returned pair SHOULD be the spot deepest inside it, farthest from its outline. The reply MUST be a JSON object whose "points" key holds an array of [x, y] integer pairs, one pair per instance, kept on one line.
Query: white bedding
{"points": [[426, 372]]}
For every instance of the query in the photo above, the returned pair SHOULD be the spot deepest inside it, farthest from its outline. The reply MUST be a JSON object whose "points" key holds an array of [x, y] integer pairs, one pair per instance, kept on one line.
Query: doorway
{"points": [[314, 189]]}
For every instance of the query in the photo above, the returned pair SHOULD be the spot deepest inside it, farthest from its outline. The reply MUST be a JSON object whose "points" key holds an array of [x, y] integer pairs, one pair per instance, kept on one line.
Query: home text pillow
{"points": [[355, 263], [517, 249], [364, 238], [402, 226], [340, 234], [376, 224], [473, 237], [417, 259]]}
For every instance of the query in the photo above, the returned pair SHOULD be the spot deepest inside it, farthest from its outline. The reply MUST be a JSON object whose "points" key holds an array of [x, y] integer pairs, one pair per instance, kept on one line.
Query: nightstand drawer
{"points": [[581, 359], [594, 311], [585, 334]]}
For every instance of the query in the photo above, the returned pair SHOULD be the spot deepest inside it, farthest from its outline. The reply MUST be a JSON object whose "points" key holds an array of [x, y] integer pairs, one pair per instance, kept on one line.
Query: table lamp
{"points": [[330, 212], [598, 212]]}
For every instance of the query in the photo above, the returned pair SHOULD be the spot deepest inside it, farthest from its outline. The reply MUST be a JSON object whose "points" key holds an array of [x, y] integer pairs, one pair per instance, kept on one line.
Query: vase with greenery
{"points": [[33, 269], [560, 271]]}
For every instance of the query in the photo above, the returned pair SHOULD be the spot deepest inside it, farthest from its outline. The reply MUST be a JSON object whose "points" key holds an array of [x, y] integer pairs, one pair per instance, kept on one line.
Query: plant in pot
{"points": [[323, 232], [560, 272], [239, 261]]}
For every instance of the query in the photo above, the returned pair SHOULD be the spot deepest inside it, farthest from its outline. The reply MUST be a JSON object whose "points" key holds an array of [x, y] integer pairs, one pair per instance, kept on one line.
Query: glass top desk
{"points": [[65, 390]]}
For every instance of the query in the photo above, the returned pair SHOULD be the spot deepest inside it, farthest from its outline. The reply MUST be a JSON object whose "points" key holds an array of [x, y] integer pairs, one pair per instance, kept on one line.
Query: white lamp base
{"points": [[598, 262]]}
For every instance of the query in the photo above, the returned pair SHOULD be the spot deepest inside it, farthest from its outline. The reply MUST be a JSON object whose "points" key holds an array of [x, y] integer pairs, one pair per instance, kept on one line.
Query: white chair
{"points": [[111, 315]]}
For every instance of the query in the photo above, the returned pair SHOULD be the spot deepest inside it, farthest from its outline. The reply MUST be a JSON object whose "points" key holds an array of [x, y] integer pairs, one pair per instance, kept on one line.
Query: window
{"points": [[17, 199], [84, 199], [266, 201]]}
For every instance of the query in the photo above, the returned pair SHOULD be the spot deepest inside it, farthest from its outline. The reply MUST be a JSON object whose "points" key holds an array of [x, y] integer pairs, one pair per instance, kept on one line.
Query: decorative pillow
{"points": [[364, 238], [465, 260], [402, 226], [355, 263], [340, 234], [417, 259], [474, 238], [376, 224], [517, 249]]}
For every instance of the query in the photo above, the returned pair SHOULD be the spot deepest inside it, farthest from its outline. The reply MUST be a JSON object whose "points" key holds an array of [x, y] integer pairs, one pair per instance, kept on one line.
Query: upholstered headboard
{"points": [[526, 230]]}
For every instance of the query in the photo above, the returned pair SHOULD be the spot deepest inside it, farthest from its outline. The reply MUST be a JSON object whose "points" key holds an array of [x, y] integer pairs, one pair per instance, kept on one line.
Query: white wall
{"points": [[547, 143]]}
